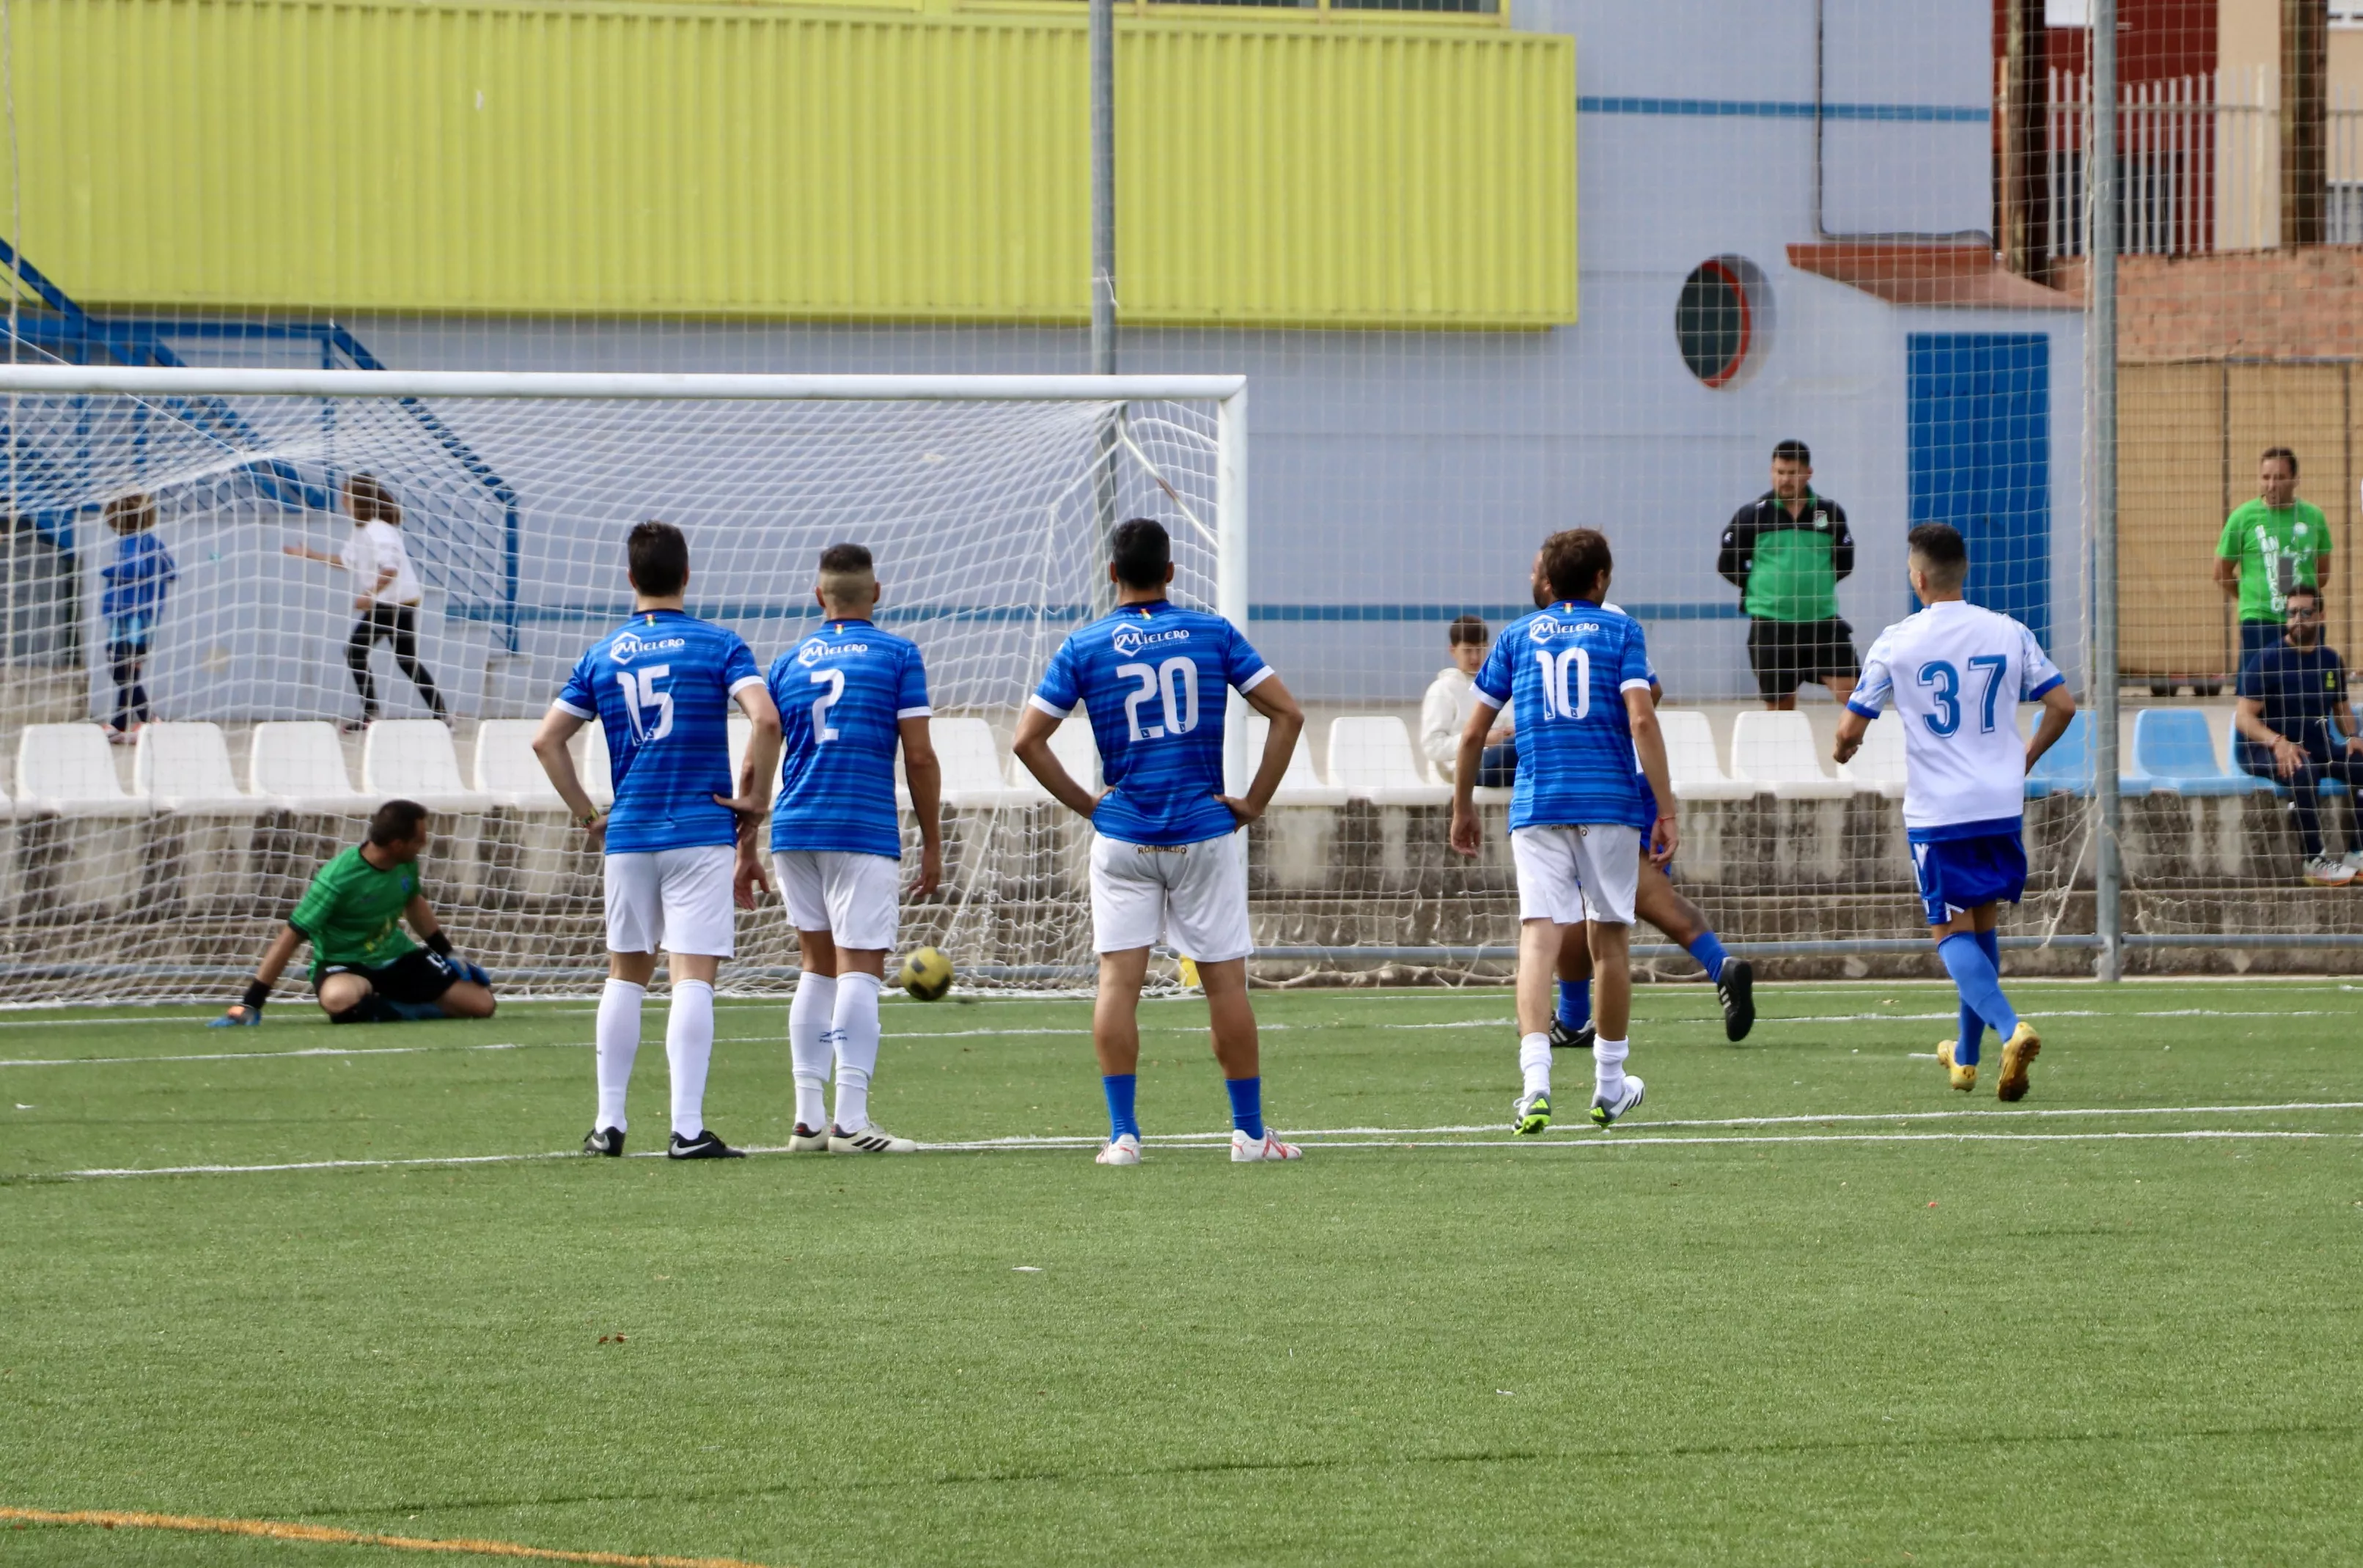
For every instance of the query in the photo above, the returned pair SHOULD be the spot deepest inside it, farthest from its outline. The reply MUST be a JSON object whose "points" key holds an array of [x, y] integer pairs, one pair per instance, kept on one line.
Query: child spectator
{"points": [[137, 580]]}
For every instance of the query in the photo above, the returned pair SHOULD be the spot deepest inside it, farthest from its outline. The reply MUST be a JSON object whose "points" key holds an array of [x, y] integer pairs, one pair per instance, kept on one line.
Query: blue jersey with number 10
{"points": [[1154, 679], [1565, 670], [843, 694], [660, 688]]}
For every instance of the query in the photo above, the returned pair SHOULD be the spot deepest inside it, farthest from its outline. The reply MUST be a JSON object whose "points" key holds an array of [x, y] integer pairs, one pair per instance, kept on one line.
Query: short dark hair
{"points": [[369, 500], [1464, 630], [2308, 590], [2284, 454], [1940, 546], [1140, 550], [659, 559], [1795, 450], [132, 513], [847, 558], [396, 822], [1573, 560]]}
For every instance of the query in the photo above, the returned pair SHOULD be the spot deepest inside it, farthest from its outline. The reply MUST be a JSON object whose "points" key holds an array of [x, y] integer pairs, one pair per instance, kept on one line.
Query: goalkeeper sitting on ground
{"points": [[364, 970]]}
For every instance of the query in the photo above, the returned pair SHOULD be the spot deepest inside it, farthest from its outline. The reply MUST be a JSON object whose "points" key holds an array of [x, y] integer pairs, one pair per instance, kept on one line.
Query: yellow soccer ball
{"points": [[927, 973]]}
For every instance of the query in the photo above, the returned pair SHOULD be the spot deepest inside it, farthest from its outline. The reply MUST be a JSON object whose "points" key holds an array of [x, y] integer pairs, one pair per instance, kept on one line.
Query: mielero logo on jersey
{"points": [[1544, 628], [1130, 640], [813, 652], [628, 647]]}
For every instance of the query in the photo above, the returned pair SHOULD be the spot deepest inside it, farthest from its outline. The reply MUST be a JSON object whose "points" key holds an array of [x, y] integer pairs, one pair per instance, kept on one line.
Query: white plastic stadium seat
{"points": [[1777, 750], [1370, 757], [299, 766], [186, 768], [1877, 768], [506, 769], [971, 765], [413, 759], [742, 736], [69, 769], [1299, 786], [598, 769], [1077, 751], [1690, 763]]}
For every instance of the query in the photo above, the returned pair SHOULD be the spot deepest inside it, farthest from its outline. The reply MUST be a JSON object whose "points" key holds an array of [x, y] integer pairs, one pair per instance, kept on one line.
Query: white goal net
{"points": [[180, 576]]}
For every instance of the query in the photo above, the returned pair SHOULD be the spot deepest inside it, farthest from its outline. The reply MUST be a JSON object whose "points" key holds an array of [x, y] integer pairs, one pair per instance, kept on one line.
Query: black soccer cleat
{"points": [[1566, 1039], [607, 1141], [706, 1145], [1735, 988]]}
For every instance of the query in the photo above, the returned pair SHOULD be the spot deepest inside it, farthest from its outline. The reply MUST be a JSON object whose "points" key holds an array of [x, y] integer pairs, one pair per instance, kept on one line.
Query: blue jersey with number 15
{"points": [[1155, 679], [1565, 671], [843, 694], [660, 688]]}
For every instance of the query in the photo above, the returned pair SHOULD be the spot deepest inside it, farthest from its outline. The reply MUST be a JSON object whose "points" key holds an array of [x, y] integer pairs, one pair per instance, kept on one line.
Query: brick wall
{"points": [[2262, 304]]}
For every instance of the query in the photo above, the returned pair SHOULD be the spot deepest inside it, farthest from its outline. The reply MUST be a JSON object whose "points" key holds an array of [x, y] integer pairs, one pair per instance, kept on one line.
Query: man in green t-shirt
{"points": [[2270, 546], [1785, 552], [364, 970]]}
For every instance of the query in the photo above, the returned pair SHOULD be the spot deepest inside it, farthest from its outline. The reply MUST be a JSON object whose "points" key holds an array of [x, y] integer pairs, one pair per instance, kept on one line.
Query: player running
{"points": [[363, 969], [1956, 674], [1167, 853], [661, 688], [836, 846], [1579, 675], [1656, 900]]}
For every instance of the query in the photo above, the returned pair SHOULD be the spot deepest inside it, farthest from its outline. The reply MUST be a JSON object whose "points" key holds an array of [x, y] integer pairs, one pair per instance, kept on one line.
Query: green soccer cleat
{"points": [[1530, 1114]]}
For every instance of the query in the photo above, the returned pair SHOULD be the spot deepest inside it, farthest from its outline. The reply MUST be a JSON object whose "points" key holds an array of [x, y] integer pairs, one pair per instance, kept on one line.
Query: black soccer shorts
{"points": [[418, 975], [1786, 655]]}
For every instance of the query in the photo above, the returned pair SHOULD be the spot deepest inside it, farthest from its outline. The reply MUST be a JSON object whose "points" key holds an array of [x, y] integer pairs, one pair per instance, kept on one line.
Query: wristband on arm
{"points": [[438, 943], [257, 993]]}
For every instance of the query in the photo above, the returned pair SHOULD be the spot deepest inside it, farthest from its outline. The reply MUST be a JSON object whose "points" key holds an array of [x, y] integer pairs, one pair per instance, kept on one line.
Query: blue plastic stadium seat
{"points": [[2067, 768], [2172, 752]]}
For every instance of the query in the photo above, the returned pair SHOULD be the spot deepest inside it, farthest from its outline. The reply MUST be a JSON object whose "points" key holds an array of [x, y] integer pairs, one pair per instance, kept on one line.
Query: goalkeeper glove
{"points": [[247, 1013]]}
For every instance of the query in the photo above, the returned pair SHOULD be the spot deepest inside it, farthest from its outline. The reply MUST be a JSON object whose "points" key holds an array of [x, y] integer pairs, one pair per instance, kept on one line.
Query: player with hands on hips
{"points": [[1577, 675], [1167, 856], [849, 695], [660, 688]]}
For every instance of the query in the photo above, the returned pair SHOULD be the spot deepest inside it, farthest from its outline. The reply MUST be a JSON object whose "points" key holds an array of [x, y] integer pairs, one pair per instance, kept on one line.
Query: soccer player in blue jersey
{"points": [[661, 686], [1956, 674], [1167, 856], [847, 695], [1579, 676]]}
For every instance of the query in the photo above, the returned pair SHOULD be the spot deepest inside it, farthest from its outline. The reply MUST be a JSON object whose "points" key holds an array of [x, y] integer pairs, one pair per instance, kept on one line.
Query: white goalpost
{"points": [[239, 672]]}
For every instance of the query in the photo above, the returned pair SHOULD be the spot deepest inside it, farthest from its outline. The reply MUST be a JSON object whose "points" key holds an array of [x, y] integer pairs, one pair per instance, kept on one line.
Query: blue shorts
{"points": [[1958, 874]]}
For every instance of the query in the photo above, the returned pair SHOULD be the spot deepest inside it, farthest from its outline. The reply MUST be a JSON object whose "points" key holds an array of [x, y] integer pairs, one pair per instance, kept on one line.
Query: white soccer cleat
{"points": [[1246, 1150], [1604, 1112], [871, 1140], [1121, 1151]]}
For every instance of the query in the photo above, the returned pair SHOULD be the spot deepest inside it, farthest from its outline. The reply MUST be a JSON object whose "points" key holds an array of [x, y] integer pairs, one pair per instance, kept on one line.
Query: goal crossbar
{"points": [[141, 380]]}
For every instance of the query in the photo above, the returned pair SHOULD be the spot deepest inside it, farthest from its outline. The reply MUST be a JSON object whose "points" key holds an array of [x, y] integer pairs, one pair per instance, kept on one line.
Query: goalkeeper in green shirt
{"points": [[364, 970]]}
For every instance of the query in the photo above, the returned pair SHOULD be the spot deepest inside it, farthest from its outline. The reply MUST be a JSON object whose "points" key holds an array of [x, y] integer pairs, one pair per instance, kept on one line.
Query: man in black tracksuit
{"points": [[1785, 552]]}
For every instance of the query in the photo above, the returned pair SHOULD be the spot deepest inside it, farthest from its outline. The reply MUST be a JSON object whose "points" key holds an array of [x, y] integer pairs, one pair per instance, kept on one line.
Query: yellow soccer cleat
{"points": [[2021, 1047], [1964, 1078]]}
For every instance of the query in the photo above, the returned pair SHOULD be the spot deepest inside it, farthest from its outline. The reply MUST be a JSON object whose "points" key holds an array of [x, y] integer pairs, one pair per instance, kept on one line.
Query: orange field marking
{"points": [[274, 1529]]}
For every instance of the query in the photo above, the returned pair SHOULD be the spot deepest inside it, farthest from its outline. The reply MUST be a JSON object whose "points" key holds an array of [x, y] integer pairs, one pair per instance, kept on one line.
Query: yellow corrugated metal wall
{"points": [[785, 161]]}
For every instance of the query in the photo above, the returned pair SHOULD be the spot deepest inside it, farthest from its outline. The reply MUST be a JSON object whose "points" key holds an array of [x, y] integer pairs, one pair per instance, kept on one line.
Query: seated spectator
{"points": [[2293, 698], [1444, 710]]}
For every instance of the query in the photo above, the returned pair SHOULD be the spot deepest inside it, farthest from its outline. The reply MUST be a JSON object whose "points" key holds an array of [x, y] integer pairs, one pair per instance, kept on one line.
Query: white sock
{"points": [[809, 1045], [619, 1043], [856, 1047], [689, 1046], [1533, 1061], [1608, 1067]]}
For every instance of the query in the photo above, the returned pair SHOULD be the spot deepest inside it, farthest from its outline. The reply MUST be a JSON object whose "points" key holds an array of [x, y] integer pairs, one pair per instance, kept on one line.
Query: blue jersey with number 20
{"points": [[660, 688], [1154, 679], [1565, 671], [843, 694]]}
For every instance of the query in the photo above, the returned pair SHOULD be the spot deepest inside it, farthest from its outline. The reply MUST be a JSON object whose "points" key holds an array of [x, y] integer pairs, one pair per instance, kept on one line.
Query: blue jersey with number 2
{"points": [[660, 688], [1565, 671], [1154, 679], [843, 693]]}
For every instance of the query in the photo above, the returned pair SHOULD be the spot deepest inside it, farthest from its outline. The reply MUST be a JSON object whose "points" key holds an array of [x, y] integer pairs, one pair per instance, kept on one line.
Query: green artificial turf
{"points": [[1818, 1340]]}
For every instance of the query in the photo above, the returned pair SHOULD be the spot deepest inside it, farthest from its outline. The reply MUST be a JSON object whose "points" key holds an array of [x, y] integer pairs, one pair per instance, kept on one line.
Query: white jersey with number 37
{"points": [[1955, 675]]}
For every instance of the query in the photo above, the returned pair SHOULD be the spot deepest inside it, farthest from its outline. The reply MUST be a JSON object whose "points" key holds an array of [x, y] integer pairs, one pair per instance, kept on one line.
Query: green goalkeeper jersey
{"points": [[353, 913]]}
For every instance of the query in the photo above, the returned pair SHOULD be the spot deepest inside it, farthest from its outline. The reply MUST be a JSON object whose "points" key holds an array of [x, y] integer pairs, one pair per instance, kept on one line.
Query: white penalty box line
{"points": [[1460, 1137]]}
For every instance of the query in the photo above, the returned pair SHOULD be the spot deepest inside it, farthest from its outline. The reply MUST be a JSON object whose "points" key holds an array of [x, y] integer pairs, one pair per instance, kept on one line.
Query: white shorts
{"points": [[1570, 874], [677, 901], [1194, 894], [856, 899]]}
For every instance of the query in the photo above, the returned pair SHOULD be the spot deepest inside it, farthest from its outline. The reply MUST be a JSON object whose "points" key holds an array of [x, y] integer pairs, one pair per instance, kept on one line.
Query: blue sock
{"points": [[1708, 951], [1247, 1105], [1575, 1003], [1973, 975], [1972, 1025], [1990, 944], [1121, 1120]]}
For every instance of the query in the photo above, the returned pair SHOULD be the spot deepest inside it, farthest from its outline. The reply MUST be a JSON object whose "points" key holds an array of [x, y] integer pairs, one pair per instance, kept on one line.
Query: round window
{"points": [[1720, 321]]}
